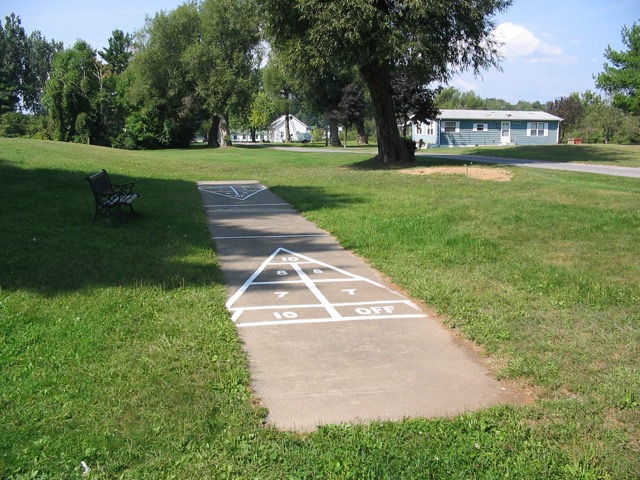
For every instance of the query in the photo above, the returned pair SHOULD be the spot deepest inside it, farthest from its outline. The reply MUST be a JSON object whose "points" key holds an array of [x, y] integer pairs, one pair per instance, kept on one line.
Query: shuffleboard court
{"points": [[328, 340]]}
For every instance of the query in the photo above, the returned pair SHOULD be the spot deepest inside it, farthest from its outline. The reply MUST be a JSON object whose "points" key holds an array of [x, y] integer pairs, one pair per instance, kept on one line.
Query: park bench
{"points": [[110, 197]]}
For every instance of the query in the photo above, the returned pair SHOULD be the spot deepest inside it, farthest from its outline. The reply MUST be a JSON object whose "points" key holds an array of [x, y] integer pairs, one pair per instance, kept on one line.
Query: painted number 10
{"points": [[289, 315]]}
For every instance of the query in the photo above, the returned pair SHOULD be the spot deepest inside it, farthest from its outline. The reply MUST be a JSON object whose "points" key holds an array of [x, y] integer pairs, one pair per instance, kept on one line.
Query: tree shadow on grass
{"points": [[49, 244], [309, 198]]}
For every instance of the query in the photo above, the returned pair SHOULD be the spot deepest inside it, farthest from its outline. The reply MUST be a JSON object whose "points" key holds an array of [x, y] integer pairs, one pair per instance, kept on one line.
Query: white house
{"points": [[299, 131]]}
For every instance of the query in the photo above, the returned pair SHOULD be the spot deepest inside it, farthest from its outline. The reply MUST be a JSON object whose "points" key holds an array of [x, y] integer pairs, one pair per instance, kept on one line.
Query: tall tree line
{"points": [[201, 68]]}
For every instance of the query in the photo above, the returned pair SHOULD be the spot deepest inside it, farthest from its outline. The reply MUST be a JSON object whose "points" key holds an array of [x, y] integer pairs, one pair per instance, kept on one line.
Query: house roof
{"points": [[278, 122], [517, 115]]}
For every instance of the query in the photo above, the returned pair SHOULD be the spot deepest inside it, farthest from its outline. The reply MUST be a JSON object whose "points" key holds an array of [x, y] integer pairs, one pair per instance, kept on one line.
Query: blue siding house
{"points": [[470, 128]]}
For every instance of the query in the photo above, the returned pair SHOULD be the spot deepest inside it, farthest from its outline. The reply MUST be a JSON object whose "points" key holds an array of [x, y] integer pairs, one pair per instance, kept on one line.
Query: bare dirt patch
{"points": [[479, 173]]}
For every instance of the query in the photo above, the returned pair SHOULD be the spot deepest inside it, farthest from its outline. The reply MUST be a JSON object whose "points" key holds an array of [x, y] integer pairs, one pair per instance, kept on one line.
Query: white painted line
{"points": [[316, 292], [246, 284], [278, 307], [344, 272], [327, 320], [219, 190], [295, 260], [298, 235], [297, 263], [317, 305], [320, 280], [249, 205]]}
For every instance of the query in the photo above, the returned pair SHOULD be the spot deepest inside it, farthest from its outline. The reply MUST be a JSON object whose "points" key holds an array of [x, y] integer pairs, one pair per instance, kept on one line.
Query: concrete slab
{"points": [[328, 340]]}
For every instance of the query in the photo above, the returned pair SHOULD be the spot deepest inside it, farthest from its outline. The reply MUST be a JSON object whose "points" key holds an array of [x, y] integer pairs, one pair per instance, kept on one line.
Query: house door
{"points": [[505, 133]]}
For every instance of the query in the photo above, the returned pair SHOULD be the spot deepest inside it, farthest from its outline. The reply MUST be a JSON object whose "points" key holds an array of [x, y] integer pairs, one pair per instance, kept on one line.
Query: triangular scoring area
{"points": [[291, 288], [236, 192]]}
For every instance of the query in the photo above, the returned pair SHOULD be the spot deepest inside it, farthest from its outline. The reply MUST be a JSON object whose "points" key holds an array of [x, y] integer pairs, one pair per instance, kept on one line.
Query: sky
{"points": [[551, 49]]}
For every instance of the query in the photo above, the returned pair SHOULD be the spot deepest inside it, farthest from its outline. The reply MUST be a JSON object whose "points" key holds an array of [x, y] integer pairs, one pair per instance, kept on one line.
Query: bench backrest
{"points": [[100, 183]]}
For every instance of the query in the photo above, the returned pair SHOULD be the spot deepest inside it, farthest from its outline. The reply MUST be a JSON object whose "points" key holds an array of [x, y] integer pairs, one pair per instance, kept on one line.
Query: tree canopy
{"points": [[71, 92], [119, 51], [25, 62], [621, 78], [198, 68], [430, 37], [570, 109]]}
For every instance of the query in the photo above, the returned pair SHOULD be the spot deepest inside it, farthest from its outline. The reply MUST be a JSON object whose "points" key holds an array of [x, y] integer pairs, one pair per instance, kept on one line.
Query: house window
{"points": [[430, 130], [419, 128], [451, 127], [480, 127], [537, 129]]}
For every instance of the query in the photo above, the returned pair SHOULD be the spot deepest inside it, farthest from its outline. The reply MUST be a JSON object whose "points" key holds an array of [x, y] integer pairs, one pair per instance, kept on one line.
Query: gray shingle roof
{"points": [[497, 115]]}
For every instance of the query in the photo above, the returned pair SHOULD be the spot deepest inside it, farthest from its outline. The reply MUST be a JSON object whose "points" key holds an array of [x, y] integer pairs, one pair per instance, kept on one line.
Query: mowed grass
{"points": [[616, 155], [117, 351]]}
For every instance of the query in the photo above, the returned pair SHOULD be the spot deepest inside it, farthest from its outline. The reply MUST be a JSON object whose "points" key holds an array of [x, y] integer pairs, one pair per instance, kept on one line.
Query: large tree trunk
{"points": [[363, 138], [219, 132], [391, 147], [225, 133], [287, 129], [334, 134], [214, 131]]}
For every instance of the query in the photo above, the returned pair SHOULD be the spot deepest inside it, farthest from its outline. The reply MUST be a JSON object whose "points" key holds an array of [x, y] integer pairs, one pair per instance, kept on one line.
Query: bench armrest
{"points": [[104, 197], [123, 188]]}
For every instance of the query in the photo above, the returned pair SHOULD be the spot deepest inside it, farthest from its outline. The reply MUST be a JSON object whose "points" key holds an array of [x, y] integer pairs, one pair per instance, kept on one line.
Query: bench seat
{"points": [[109, 197]]}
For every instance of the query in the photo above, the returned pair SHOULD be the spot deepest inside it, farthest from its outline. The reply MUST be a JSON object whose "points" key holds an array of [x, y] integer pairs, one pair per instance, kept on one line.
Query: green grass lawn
{"points": [[617, 155], [117, 351]]}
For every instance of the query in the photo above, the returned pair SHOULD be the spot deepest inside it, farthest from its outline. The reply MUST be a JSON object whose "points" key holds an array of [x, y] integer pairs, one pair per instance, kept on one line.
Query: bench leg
{"points": [[110, 211]]}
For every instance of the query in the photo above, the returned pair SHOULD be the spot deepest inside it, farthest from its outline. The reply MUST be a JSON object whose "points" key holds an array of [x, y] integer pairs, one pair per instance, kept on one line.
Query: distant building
{"points": [[298, 130], [468, 128]]}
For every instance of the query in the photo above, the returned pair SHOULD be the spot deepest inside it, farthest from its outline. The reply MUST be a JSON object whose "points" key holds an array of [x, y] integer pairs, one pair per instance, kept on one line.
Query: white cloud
{"points": [[518, 42]]}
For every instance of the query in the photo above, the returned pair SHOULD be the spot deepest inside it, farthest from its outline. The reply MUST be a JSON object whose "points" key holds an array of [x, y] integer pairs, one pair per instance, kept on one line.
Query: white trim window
{"points": [[480, 127], [430, 128], [450, 127], [537, 129]]}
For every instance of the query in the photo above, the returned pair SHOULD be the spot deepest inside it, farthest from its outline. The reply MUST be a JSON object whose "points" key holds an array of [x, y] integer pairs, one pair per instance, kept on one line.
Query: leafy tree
{"points": [[25, 64], [350, 109], [224, 62], [39, 61], [629, 131], [119, 51], [452, 98], [570, 109], [603, 119], [13, 124], [414, 102], [278, 84], [194, 65], [524, 105], [71, 92], [621, 78], [496, 104], [112, 101], [322, 90], [160, 94], [12, 63], [263, 111], [433, 37]]}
